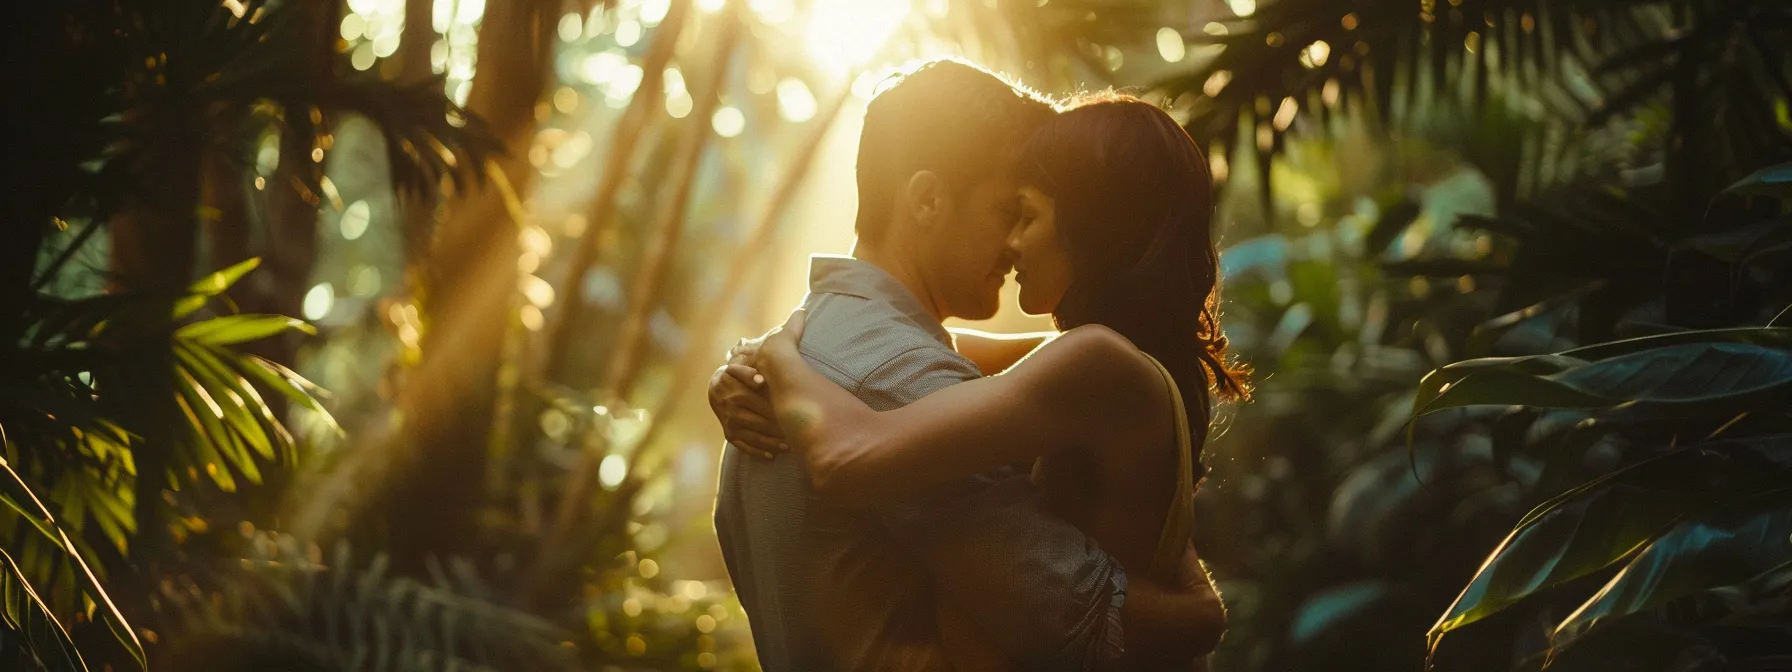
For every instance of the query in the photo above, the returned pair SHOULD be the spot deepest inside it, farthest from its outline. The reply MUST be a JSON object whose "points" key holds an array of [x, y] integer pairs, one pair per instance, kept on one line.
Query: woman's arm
{"points": [[1087, 386], [994, 353]]}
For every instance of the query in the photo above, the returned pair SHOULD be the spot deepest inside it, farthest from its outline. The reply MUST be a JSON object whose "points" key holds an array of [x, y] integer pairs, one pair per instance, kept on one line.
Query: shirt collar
{"points": [[833, 274]]}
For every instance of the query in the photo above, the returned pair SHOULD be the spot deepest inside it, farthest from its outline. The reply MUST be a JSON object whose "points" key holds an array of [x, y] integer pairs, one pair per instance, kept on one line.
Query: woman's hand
{"points": [[739, 399], [820, 420], [778, 358]]}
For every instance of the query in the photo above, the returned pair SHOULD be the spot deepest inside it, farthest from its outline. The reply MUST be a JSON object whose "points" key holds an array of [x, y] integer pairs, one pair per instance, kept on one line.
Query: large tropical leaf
{"points": [[1739, 626], [1605, 520], [1727, 547], [1775, 181], [1689, 377]]}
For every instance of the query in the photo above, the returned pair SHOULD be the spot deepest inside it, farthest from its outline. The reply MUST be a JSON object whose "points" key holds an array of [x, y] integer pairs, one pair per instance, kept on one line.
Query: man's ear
{"points": [[926, 197]]}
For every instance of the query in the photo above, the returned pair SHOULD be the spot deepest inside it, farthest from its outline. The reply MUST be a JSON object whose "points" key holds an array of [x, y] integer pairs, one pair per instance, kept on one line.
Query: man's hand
{"points": [[737, 396]]}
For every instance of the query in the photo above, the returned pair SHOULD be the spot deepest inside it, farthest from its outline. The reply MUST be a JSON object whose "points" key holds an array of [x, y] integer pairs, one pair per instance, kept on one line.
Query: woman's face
{"points": [[1042, 264]]}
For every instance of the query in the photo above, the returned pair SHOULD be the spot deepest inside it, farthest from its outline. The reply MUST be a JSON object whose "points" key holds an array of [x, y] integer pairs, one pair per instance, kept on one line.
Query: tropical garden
{"points": [[372, 334]]}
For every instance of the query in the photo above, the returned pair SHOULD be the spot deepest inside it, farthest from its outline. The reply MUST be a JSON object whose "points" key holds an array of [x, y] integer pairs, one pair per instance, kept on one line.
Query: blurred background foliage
{"points": [[371, 335]]}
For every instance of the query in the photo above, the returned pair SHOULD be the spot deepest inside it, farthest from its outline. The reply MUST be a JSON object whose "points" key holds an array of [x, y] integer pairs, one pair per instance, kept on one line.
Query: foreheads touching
{"points": [[948, 117]]}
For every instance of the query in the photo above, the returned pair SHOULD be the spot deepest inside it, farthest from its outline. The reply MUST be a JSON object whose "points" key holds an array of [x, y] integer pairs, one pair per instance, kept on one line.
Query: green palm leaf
{"points": [[23, 606], [26, 614]]}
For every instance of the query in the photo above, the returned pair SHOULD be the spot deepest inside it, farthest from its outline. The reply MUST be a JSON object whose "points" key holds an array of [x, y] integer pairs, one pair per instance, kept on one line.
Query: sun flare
{"points": [[845, 34]]}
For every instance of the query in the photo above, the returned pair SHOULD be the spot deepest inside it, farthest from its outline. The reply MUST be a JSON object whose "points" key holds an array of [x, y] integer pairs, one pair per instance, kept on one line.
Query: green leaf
{"points": [[17, 495], [1605, 520], [1775, 181], [205, 456], [238, 400], [232, 329], [212, 285], [212, 428], [287, 382], [1724, 548], [28, 615]]}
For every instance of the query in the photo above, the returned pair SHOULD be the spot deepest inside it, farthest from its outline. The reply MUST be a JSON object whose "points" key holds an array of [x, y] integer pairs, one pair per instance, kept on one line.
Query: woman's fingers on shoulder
{"points": [[745, 374]]}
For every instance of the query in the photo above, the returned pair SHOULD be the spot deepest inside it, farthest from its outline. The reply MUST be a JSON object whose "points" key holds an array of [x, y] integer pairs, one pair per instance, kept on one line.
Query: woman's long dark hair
{"points": [[1134, 210]]}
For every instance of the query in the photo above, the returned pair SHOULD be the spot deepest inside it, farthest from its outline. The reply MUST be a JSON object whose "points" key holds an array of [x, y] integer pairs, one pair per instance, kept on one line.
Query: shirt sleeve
{"points": [[1040, 588]]}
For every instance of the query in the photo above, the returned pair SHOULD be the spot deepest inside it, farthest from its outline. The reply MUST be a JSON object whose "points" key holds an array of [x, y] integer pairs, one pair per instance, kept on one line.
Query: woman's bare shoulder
{"points": [[1100, 361]]}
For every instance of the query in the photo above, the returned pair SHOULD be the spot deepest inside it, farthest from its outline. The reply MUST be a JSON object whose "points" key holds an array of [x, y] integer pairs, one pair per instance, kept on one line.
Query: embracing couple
{"points": [[931, 515]]}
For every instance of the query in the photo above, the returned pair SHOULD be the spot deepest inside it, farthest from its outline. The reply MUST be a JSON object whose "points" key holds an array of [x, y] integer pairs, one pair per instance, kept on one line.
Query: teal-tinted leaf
{"points": [[1779, 337], [1725, 375], [1602, 522], [1647, 640], [212, 285], [232, 329], [1694, 376], [1334, 605], [1724, 548], [34, 621], [1773, 181]]}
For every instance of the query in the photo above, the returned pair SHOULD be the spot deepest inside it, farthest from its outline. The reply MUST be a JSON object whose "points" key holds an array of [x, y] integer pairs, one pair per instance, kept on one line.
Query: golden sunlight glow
{"points": [[844, 34], [795, 103], [773, 12]]}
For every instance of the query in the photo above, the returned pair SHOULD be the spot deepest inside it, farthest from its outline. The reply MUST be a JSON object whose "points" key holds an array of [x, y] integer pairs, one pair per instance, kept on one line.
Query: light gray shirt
{"points": [[827, 587]]}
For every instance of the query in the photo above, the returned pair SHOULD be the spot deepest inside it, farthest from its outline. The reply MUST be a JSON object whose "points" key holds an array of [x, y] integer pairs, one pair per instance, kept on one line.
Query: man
{"points": [[831, 588]]}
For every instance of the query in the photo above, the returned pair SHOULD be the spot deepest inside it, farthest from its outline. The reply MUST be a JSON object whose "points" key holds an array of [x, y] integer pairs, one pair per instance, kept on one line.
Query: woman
{"points": [[1115, 242]]}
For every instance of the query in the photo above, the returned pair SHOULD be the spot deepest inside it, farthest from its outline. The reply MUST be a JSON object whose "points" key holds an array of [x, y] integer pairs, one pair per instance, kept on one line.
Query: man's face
{"points": [[967, 257]]}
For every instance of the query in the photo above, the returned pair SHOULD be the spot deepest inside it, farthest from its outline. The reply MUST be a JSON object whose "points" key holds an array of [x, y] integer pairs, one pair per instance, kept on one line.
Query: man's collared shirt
{"points": [[828, 587]]}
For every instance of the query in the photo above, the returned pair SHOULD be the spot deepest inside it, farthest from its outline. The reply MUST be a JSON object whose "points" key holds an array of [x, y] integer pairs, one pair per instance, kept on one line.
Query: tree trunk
{"points": [[471, 285]]}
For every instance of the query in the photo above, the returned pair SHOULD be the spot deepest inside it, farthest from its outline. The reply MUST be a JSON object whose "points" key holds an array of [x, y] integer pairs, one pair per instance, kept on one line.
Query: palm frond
{"points": [[1565, 68], [26, 611], [345, 615]]}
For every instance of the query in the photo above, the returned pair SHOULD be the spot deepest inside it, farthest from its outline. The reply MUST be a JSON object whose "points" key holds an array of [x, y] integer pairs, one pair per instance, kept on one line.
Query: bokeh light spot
{"points": [[1170, 46], [612, 470], [355, 219], [319, 300], [728, 122]]}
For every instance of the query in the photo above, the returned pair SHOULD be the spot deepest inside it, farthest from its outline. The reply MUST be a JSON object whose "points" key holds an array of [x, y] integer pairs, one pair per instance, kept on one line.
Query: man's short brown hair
{"points": [[948, 116]]}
